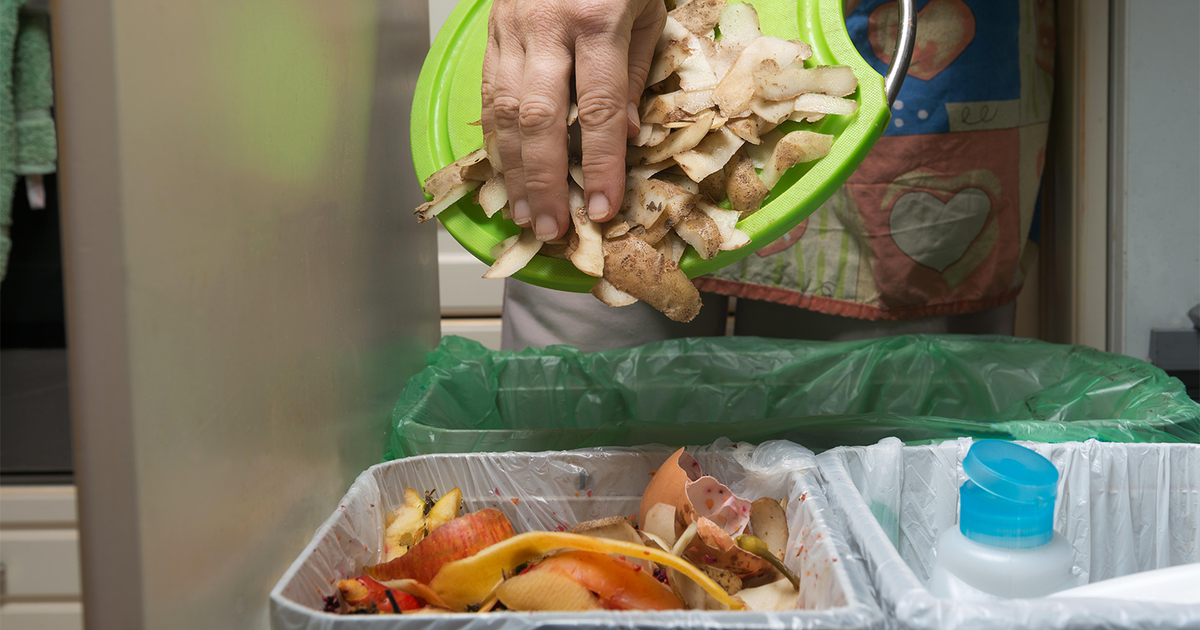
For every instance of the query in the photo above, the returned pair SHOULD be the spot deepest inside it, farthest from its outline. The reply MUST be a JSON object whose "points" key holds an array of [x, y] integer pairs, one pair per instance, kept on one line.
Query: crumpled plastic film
{"points": [[820, 394], [1124, 508], [835, 592]]}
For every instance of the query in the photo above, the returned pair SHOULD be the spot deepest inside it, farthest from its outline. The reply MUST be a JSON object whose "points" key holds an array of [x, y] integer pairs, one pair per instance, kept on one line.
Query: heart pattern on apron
{"points": [[944, 29], [935, 233]]}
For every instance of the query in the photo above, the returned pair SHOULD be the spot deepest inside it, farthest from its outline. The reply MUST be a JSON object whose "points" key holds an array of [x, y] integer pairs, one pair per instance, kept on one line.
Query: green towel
{"points": [[28, 145]]}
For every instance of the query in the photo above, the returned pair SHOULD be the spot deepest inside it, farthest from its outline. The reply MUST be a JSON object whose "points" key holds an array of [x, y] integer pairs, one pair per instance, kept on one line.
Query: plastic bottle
{"points": [[1004, 545]]}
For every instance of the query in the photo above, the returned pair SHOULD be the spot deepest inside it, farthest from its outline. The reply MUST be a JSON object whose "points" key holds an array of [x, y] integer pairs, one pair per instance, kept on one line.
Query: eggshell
{"points": [[710, 499], [714, 547], [719, 514], [669, 485]]}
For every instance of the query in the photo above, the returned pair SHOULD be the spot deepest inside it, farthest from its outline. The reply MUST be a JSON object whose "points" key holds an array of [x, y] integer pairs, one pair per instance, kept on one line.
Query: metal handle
{"points": [[906, 34]]}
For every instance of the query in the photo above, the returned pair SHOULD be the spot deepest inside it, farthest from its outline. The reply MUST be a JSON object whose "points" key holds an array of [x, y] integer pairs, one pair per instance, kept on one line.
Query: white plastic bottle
{"points": [[1005, 545]]}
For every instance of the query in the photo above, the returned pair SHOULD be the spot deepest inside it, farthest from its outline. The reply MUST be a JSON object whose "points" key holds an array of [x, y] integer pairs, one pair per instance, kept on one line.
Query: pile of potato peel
{"points": [[707, 155], [694, 545]]}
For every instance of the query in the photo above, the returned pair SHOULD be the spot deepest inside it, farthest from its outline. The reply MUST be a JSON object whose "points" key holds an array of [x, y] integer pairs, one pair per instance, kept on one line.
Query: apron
{"points": [[936, 219]]}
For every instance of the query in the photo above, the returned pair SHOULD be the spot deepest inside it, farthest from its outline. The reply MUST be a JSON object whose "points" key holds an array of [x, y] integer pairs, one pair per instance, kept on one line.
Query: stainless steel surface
{"points": [[246, 290], [906, 35]]}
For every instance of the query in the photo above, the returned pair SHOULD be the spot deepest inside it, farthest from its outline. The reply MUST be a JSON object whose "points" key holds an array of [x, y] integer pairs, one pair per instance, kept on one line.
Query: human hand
{"points": [[535, 49]]}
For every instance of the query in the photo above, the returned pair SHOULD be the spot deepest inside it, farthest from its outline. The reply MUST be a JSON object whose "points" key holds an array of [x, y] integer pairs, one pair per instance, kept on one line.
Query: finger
{"points": [[642, 40], [506, 112], [545, 99], [602, 81], [491, 62]]}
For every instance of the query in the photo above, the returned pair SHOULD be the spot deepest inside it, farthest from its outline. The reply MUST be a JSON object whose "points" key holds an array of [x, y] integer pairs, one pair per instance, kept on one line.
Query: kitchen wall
{"points": [[1154, 262]]}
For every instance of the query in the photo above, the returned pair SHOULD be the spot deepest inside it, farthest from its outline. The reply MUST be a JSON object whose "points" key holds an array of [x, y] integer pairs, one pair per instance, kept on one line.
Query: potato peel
{"points": [[775, 82], [710, 155], [492, 196], [433, 208], [516, 256], [743, 186], [667, 61], [702, 233], [589, 256], [699, 16], [817, 103], [682, 140], [636, 268], [708, 119], [794, 148], [735, 91], [604, 291]]}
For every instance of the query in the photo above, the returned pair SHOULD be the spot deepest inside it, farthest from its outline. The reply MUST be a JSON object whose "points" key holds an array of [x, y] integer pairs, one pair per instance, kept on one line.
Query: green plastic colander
{"points": [[448, 100]]}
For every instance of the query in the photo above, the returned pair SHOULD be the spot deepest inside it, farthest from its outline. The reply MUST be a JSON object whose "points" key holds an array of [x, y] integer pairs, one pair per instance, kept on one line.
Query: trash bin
{"points": [[553, 490], [820, 394], [1124, 508]]}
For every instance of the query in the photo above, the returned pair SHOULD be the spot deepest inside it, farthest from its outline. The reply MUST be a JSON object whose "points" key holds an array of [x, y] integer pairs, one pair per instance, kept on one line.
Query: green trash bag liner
{"points": [[918, 388]]}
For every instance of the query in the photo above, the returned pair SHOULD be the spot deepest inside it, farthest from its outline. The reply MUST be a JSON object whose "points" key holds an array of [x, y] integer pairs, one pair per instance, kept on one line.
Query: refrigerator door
{"points": [[247, 291]]}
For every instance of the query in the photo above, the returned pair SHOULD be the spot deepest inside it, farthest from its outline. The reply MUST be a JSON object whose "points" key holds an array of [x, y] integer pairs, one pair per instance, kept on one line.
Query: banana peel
{"points": [[470, 581]]}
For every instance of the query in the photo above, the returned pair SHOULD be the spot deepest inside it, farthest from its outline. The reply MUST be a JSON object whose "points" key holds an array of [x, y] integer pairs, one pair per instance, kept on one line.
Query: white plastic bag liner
{"points": [[1124, 508], [555, 490]]}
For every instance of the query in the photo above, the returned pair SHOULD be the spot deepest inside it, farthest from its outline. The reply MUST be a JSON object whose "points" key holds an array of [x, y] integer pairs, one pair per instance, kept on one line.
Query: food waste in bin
{"points": [[693, 545]]}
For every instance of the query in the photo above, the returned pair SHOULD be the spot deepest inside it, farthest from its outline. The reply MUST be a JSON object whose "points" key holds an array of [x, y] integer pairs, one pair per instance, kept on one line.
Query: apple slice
{"points": [[368, 596], [546, 590], [443, 511], [460, 538], [406, 526]]}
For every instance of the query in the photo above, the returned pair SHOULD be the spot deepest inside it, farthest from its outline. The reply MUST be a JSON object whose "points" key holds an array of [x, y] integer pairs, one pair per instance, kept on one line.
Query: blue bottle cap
{"points": [[1008, 499]]}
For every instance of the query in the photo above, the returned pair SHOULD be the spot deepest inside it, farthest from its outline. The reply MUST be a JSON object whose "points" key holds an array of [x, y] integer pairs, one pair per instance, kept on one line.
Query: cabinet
{"points": [[470, 304], [39, 554]]}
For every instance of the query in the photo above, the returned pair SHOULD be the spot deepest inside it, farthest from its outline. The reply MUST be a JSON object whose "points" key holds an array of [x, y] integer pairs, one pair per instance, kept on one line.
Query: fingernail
{"points": [[545, 228], [521, 213], [597, 207], [634, 117]]}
